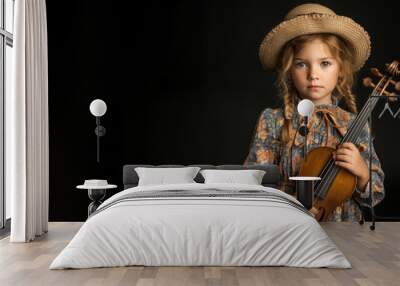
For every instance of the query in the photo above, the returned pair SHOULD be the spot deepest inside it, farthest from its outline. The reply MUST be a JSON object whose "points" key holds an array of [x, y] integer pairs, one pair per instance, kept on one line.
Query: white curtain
{"points": [[27, 147]]}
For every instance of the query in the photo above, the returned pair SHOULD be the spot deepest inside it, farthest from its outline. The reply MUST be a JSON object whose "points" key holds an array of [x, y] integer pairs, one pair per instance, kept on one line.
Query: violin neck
{"points": [[330, 171], [359, 122]]}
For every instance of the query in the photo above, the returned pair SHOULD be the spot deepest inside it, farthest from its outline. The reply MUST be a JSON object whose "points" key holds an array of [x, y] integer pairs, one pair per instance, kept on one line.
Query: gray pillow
{"points": [[248, 177], [165, 176]]}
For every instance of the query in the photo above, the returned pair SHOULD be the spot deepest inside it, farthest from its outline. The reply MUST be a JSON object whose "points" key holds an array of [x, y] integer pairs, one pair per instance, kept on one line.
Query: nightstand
{"points": [[96, 192]]}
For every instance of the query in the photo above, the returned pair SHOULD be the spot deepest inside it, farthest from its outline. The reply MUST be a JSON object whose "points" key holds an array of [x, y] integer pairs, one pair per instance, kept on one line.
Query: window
{"points": [[6, 61]]}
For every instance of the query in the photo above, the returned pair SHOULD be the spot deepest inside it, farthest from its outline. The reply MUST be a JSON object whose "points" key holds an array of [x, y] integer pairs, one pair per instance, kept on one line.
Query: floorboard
{"points": [[374, 255]]}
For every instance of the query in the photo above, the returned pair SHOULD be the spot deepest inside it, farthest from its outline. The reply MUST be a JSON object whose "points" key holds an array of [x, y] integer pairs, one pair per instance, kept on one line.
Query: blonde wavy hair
{"points": [[339, 50]]}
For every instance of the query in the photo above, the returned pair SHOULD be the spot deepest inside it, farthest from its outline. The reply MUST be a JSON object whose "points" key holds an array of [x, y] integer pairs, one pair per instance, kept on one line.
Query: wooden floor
{"points": [[374, 255]]}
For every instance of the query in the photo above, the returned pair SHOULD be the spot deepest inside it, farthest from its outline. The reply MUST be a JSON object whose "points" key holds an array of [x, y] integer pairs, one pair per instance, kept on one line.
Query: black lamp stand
{"points": [[99, 131]]}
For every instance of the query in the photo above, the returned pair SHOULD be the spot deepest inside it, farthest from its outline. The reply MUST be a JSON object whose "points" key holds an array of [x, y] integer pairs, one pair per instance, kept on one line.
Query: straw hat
{"points": [[311, 19]]}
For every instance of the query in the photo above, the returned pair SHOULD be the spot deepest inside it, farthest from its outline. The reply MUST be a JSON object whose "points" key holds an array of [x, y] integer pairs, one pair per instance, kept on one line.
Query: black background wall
{"points": [[182, 83]]}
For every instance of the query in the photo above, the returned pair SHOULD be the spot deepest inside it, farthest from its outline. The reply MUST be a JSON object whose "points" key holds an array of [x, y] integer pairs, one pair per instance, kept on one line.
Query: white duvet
{"points": [[200, 231]]}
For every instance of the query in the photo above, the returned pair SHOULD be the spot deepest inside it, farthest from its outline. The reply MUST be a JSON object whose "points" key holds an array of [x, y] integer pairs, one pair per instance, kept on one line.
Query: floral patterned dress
{"points": [[327, 126]]}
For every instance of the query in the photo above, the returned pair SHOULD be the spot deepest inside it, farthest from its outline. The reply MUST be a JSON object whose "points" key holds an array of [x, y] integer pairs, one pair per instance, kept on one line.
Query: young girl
{"points": [[315, 54]]}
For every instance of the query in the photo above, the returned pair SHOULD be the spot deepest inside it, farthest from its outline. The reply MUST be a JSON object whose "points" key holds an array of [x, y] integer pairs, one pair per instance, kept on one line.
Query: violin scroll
{"points": [[392, 70]]}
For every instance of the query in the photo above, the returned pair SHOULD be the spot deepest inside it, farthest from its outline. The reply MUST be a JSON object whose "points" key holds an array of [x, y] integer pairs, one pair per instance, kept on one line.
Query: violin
{"points": [[337, 184]]}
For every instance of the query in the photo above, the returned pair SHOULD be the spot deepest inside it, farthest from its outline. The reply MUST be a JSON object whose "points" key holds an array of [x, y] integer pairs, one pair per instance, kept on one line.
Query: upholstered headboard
{"points": [[270, 179]]}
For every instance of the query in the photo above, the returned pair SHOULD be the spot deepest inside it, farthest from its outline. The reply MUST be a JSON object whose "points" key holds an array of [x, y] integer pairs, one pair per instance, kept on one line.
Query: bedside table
{"points": [[96, 192]]}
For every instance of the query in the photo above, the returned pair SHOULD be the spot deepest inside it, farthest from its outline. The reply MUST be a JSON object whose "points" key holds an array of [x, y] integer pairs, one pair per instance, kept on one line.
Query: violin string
{"points": [[356, 134], [330, 170], [374, 100], [364, 115], [328, 173]]}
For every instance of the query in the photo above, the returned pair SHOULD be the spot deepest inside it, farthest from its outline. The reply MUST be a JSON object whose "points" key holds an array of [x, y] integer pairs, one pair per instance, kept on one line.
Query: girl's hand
{"points": [[348, 157], [313, 211]]}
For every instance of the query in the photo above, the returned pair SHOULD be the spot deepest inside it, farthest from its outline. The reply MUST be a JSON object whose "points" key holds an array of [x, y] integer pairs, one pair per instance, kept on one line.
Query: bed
{"points": [[201, 224]]}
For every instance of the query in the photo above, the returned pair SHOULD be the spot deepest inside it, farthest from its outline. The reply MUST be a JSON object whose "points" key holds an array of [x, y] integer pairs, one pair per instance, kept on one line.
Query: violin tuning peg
{"points": [[376, 72], [367, 82], [397, 86]]}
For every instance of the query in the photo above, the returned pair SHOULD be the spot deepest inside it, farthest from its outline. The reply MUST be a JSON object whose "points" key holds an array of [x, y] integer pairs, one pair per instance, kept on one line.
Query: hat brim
{"points": [[342, 26]]}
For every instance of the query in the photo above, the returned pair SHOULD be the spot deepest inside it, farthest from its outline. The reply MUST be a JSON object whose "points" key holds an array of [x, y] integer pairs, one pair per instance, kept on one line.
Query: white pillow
{"points": [[248, 177], [165, 176]]}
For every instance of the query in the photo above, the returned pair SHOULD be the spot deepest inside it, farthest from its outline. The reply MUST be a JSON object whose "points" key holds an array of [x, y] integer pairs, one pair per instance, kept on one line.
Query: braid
{"points": [[350, 101], [344, 91], [287, 90], [288, 113], [288, 104]]}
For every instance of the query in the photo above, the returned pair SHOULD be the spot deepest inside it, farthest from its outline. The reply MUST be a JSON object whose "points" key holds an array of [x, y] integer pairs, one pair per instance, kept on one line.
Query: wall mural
{"points": [[184, 87]]}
